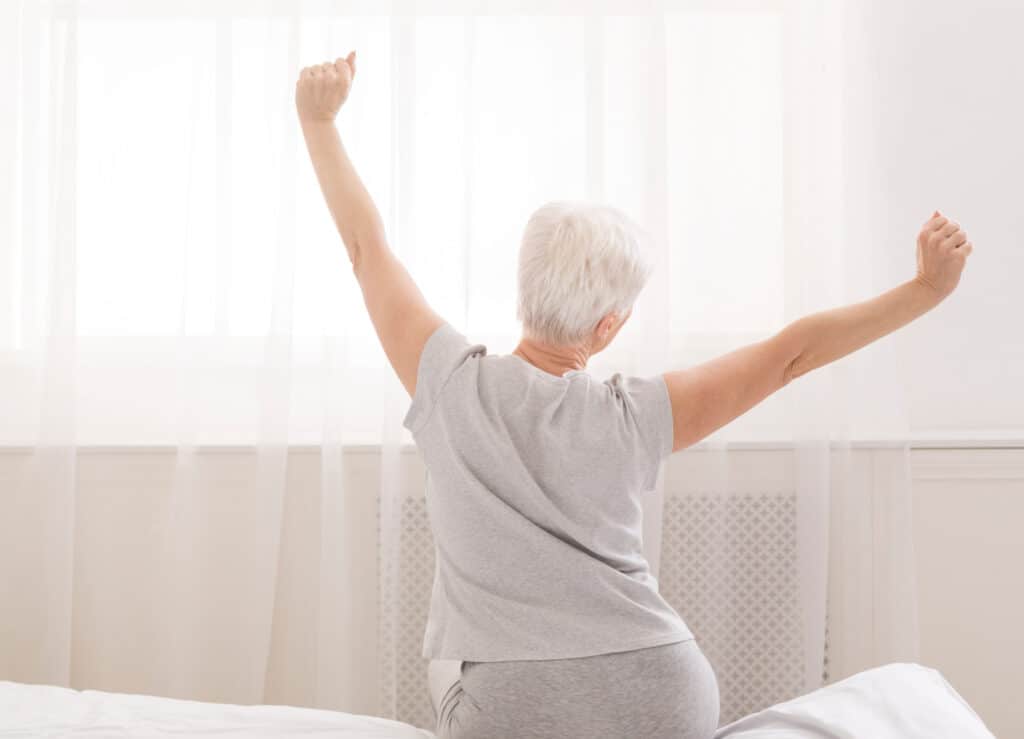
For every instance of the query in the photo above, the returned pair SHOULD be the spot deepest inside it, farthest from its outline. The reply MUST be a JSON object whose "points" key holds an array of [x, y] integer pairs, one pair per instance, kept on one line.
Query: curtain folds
{"points": [[205, 488]]}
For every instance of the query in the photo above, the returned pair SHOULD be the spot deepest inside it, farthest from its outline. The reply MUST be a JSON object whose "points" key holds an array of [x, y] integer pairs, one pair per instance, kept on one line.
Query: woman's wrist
{"points": [[311, 123], [928, 294]]}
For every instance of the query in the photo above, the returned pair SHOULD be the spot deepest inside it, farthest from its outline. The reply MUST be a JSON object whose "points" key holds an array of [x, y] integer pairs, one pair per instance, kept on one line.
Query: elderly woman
{"points": [[542, 593]]}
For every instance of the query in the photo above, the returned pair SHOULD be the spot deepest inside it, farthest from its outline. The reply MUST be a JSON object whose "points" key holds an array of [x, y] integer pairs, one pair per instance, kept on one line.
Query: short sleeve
{"points": [[651, 406], [445, 351]]}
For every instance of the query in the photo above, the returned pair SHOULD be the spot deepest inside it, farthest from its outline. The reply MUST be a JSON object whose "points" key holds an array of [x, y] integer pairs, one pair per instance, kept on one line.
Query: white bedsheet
{"points": [[895, 701], [47, 711]]}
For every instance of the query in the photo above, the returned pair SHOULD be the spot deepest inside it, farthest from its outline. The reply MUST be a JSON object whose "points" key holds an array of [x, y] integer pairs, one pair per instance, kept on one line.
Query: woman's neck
{"points": [[556, 360]]}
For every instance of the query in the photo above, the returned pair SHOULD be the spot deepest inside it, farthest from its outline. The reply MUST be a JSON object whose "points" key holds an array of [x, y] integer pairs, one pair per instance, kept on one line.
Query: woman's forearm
{"points": [[351, 206], [823, 337]]}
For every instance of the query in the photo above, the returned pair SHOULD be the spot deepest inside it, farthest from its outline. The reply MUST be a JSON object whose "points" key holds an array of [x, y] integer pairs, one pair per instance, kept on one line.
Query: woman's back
{"points": [[534, 486]]}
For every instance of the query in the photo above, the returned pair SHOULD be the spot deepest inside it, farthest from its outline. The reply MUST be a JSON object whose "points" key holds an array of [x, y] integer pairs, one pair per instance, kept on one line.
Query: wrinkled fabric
{"points": [[896, 701]]}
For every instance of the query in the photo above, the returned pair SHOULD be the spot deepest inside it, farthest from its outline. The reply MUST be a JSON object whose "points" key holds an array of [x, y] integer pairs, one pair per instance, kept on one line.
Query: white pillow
{"points": [[895, 701]]}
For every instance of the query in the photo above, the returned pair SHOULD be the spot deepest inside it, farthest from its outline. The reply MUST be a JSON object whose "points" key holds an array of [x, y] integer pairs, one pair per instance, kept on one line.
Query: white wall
{"points": [[968, 508], [934, 120]]}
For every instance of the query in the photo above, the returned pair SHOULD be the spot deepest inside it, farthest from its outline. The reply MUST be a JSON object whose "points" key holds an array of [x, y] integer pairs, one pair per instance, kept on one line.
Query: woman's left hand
{"points": [[322, 89]]}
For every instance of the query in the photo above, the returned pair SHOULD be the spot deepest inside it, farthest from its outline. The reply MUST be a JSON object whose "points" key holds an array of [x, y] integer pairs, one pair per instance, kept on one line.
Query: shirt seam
{"points": [[664, 449], [429, 412], [437, 396]]}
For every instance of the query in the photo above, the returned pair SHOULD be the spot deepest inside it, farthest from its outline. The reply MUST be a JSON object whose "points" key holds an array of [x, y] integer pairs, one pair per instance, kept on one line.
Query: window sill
{"points": [[951, 440]]}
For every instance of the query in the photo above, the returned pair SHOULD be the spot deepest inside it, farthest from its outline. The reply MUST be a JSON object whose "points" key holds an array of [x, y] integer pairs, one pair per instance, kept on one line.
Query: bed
{"points": [[902, 700], [48, 711]]}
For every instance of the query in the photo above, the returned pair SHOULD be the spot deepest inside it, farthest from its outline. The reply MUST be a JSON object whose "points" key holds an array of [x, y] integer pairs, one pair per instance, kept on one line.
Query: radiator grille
{"points": [[729, 567]]}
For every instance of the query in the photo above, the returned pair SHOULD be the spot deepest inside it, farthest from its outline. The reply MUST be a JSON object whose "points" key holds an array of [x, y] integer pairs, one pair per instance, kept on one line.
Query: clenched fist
{"points": [[942, 251], [322, 88]]}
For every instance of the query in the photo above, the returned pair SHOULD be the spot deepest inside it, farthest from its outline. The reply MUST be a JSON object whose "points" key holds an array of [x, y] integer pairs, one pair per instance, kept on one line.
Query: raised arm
{"points": [[710, 395], [397, 308]]}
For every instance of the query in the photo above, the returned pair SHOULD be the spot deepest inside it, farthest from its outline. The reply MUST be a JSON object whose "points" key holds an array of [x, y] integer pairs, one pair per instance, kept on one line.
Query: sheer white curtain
{"points": [[206, 488]]}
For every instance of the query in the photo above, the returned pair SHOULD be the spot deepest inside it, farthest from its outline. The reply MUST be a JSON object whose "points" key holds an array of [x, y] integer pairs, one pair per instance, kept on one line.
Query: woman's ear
{"points": [[606, 326]]}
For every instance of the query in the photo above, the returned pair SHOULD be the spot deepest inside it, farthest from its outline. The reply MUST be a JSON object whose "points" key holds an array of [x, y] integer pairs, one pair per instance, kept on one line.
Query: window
{"points": [[208, 281]]}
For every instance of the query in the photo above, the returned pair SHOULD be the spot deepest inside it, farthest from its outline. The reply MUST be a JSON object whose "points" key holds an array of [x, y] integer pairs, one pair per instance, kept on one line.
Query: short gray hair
{"points": [[577, 262]]}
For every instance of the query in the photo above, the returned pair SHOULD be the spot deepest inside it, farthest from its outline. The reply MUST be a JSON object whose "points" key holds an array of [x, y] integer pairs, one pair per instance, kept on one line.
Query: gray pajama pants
{"points": [[663, 692]]}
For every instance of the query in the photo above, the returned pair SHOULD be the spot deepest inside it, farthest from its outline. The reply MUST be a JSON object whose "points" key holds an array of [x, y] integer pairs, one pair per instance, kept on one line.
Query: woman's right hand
{"points": [[942, 251], [321, 89]]}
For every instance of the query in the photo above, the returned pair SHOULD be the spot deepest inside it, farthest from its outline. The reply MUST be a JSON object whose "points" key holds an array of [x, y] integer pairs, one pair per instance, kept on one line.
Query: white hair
{"points": [[577, 263]]}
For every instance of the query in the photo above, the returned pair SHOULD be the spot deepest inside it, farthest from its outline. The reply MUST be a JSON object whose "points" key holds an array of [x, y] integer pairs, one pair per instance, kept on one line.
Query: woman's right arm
{"points": [[708, 396]]}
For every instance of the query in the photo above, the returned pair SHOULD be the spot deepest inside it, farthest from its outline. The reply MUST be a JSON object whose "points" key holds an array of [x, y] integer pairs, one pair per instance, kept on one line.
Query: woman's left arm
{"points": [[400, 314]]}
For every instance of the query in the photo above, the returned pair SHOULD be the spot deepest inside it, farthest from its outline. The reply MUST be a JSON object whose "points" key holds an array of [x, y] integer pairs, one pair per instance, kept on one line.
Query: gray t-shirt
{"points": [[533, 492]]}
